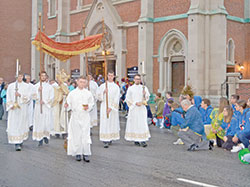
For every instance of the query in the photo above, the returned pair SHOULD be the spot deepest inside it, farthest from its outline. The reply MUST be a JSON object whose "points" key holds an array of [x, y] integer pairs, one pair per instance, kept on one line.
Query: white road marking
{"points": [[195, 183]]}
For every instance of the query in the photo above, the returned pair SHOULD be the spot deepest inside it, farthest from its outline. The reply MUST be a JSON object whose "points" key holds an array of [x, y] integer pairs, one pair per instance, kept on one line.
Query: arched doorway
{"points": [[96, 58], [173, 63]]}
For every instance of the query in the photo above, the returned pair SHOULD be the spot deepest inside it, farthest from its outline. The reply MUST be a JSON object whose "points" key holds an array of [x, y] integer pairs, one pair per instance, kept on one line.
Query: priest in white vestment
{"points": [[93, 86], [42, 121], [137, 127], [31, 103], [18, 98], [109, 127], [80, 101], [59, 114]]}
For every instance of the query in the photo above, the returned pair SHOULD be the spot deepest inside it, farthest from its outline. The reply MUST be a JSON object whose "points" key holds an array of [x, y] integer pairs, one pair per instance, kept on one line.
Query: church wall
{"points": [[169, 7], [50, 24], [237, 31], [15, 20], [235, 7], [74, 61], [73, 4], [132, 47], [247, 52], [160, 29], [129, 12], [77, 20]]}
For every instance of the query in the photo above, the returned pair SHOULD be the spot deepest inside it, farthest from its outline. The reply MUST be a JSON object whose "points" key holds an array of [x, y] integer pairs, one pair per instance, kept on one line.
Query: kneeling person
{"points": [[193, 128], [80, 101]]}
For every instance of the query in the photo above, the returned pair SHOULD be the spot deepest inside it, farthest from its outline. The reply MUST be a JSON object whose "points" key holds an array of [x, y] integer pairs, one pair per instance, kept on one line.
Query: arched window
{"points": [[79, 4], [52, 8], [230, 54]]}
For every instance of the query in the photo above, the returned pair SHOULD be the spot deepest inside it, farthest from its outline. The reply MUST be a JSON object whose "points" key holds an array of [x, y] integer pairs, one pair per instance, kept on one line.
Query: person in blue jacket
{"points": [[192, 129], [230, 125], [177, 118], [233, 101], [242, 136], [196, 101], [206, 105]]}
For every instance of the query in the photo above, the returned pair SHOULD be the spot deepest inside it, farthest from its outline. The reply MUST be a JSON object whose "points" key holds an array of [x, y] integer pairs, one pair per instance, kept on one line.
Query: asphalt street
{"points": [[123, 164]]}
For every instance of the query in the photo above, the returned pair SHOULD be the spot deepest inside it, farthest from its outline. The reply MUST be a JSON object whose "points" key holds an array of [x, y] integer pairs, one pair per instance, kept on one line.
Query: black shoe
{"points": [[46, 140], [211, 144], [64, 136], [57, 135], [137, 144], [78, 158], [18, 147], [193, 147], [143, 144], [110, 142], [40, 143], [86, 158], [106, 145]]}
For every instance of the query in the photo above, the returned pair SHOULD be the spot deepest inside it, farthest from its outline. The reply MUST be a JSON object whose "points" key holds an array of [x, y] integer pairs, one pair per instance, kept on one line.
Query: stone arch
{"points": [[98, 29], [172, 48]]}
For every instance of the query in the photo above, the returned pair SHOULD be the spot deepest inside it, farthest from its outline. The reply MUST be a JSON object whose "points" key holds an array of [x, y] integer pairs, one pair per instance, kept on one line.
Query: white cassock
{"points": [[137, 126], [109, 127], [79, 125], [42, 121], [93, 113], [18, 126], [31, 106]]}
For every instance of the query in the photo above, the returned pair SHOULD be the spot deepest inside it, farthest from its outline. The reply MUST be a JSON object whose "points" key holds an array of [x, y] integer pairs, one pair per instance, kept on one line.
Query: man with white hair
{"points": [[193, 128]]}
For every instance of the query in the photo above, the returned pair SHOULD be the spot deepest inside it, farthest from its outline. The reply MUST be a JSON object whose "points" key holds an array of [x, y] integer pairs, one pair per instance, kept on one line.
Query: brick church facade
{"points": [[203, 43]]}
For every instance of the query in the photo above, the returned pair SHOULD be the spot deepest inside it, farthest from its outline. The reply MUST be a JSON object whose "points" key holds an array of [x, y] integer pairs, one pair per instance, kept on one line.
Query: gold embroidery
{"points": [[110, 136], [115, 106], [137, 136], [8, 104], [129, 103], [18, 138], [39, 135]]}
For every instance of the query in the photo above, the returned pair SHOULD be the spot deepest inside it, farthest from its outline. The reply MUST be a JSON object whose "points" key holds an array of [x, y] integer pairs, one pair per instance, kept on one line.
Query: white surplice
{"points": [[137, 126], [18, 126], [79, 139], [42, 121], [31, 105], [93, 113], [109, 127]]}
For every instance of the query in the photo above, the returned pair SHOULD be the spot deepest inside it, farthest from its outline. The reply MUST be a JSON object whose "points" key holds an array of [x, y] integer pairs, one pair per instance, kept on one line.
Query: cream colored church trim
{"points": [[167, 54]]}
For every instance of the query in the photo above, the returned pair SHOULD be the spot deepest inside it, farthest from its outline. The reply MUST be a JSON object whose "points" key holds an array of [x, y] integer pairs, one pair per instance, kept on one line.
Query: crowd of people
{"points": [[68, 108], [200, 126]]}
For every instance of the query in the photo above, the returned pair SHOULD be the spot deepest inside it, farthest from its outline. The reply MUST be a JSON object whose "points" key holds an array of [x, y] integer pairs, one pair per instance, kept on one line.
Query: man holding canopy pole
{"points": [[109, 115], [42, 120]]}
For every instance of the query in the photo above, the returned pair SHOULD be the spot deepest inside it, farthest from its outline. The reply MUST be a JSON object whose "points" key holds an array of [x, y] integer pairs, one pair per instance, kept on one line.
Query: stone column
{"points": [[63, 28], [207, 47], [146, 40], [35, 59]]}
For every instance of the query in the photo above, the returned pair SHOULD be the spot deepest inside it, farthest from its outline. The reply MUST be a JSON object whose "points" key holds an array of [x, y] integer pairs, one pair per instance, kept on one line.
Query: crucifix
{"points": [[86, 57], [104, 53], [41, 58]]}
